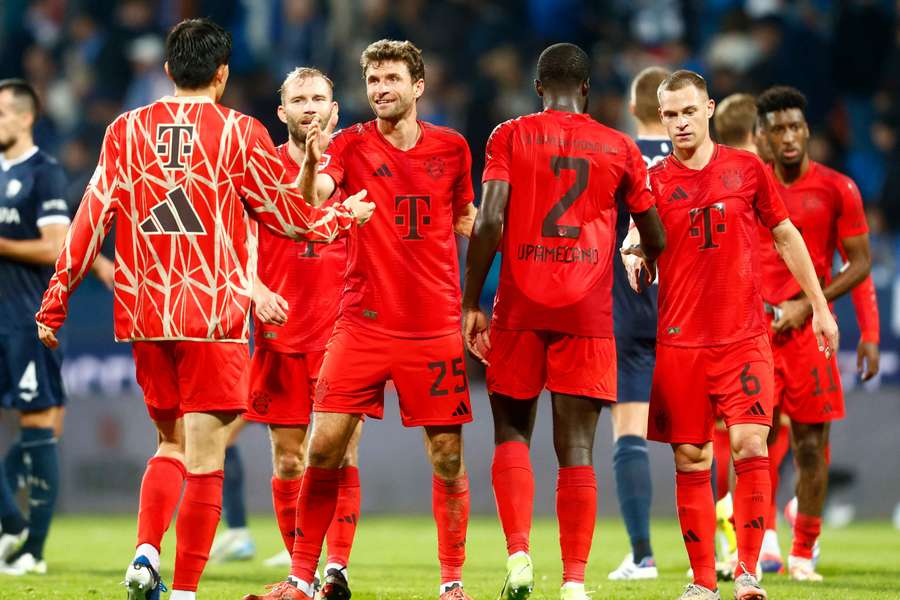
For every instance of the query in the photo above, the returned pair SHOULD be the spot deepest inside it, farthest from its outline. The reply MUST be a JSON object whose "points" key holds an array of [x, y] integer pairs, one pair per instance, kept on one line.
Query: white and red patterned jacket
{"points": [[183, 175]]}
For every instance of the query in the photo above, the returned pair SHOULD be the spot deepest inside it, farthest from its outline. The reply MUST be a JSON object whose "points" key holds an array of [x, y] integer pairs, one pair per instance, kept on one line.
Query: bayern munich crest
{"points": [[434, 167], [732, 179]]}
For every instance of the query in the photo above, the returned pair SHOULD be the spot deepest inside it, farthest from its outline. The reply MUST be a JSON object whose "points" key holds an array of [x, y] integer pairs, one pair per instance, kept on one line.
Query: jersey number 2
{"points": [[551, 226]]}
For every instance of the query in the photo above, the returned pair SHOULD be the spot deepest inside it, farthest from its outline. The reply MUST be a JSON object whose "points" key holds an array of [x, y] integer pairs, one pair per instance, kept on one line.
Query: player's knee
{"points": [[323, 454], [809, 451], [749, 446], [288, 465], [574, 456], [43, 419], [446, 458], [690, 458]]}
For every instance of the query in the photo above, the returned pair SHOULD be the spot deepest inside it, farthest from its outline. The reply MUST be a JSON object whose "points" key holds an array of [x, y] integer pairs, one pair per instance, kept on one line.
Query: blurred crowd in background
{"points": [[92, 59]]}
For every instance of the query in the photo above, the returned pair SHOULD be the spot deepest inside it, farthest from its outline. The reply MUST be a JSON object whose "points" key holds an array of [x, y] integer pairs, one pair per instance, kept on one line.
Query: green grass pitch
{"points": [[395, 557]]}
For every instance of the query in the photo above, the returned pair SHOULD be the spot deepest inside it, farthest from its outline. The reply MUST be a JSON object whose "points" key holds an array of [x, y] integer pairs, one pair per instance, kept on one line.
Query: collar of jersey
{"points": [[185, 99], [566, 113], [812, 165], [387, 143], [7, 164], [681, 165]]}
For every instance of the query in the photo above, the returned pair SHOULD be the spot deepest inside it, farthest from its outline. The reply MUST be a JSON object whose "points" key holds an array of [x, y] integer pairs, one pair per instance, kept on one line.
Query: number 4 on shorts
{"points": [[28, 384]]}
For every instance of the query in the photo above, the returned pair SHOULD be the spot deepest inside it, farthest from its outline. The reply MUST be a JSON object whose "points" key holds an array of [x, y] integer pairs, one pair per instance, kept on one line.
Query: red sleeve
{"points": [[769, 205], [638, 197], [865, 304], [276, 203], [463, 195], [87, 232], [332, 163], [498, 154], [852, 217]]}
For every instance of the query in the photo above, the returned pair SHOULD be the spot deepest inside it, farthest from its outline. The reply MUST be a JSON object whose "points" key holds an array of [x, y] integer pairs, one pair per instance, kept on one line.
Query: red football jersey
{"points": [[825, 206], [403, 270], [309, 275], [183, 176], [565, 172], [709, 273]]}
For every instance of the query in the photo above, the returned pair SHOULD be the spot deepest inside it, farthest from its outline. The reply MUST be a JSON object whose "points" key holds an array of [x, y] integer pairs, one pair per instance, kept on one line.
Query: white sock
{"points": [[770, 542], [571, 585], [338, 567], [303, 586], [183, 595], [450, 584], [150, 552]]}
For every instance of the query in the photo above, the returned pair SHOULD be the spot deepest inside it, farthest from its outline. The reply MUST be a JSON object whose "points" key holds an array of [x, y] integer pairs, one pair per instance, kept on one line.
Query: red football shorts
{"points": [[525, 362], [807, 385], [691, 386], [181, 377], [282, 386], [429, 374]]}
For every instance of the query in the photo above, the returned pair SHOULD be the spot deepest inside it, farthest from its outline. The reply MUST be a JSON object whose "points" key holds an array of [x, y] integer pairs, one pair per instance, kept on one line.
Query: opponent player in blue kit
{"points": [[34, 218], [635, 329]]}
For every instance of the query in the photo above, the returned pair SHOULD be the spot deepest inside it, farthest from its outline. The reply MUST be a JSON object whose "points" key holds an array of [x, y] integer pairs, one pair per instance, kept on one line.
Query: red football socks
{"points": [[195, 527], [697, 515], [450, 504], [513, 482], [160, 493], [777, 451], [806, 532], [316, 505], [284, 499], [722, 452], [576, 510], [343, 527], [752, 499]]}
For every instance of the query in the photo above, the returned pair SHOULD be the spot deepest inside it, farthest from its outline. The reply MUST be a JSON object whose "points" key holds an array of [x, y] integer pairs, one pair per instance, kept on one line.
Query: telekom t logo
{"points": [[703, 217], [174, 142], [410, 215]]}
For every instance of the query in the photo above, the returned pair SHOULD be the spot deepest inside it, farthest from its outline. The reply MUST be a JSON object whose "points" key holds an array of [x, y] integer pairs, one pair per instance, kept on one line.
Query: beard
{"points": [[297, 132], [400, 109], [7, 144]]}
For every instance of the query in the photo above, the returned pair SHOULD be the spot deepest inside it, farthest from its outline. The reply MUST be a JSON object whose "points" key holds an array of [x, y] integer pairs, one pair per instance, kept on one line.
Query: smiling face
{"points": [[787, 135], [303, 100], [685, 113], [391, 90]]}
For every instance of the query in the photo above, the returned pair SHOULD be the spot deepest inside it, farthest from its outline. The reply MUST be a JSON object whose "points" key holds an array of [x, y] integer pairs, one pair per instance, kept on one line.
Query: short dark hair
{"points": [[394, 50], [682, 79], [735, 119], [643, 93], [780, 97], [24, 93], [195, 49], [563, 65]]}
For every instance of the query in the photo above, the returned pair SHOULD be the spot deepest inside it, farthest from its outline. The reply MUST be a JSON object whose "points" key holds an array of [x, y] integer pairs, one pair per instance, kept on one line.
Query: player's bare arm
{"points": [[40, 251], [270, 308], [464, 220], [793, 252], [856, 268], [642, 246], [485, 239]]}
